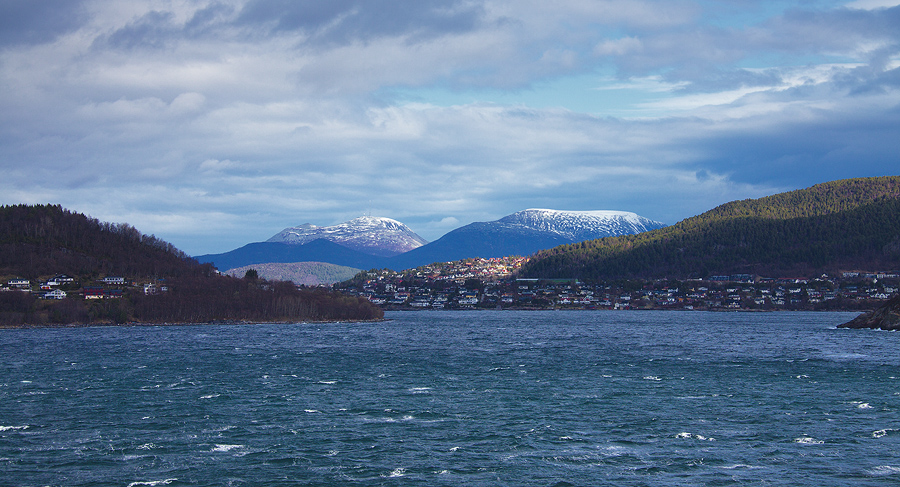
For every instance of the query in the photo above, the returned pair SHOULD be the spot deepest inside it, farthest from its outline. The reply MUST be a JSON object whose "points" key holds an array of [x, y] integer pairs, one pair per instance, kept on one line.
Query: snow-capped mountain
{"points": [[370, 242], [578, 226], [524, 233], [372, 235]]}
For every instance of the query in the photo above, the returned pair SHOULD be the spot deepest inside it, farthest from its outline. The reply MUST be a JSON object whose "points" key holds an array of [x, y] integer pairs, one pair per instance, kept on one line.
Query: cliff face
{"points": [[887, 317]]}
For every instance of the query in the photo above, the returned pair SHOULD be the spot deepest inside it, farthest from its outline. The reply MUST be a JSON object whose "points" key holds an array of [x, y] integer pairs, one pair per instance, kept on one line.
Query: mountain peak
{"points": [[370, 234], [582, 225]]}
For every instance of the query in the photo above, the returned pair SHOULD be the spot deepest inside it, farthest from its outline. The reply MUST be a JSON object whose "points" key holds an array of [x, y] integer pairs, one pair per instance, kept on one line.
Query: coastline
{"points": [[180, 323], [401, 310]]}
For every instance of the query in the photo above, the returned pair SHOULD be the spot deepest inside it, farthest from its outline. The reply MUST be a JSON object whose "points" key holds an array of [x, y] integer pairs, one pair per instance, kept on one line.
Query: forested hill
{"points": [[48, 239], [847, 224], [40, 242]]}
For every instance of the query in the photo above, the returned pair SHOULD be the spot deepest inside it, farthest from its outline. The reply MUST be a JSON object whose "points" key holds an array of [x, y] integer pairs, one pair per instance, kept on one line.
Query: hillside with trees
{"points": [[847, 224], [38, 242]]}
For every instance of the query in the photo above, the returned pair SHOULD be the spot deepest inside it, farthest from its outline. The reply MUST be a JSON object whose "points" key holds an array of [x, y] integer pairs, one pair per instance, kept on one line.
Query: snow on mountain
{"points": [[524, 233], [372, 235], [578, 226]]}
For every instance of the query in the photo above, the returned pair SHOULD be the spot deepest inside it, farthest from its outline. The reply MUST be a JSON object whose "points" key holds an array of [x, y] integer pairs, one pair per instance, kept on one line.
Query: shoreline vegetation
{"points": [[197, 299]]}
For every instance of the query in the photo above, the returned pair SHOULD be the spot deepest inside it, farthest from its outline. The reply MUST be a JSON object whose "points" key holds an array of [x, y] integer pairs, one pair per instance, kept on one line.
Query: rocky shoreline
{"points": [[886, 317]]}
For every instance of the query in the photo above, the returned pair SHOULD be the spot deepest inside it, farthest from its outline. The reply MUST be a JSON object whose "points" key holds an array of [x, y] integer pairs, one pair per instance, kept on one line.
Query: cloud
{"points": [[345, 21], [216, 123], [38, 21]]}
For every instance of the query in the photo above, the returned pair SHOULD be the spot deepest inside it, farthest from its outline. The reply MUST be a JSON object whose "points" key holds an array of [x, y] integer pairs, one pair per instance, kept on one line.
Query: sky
{"points": [[215, 123]]}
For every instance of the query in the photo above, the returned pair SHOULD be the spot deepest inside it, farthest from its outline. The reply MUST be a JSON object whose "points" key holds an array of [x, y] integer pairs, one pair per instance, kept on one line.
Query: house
{"points": [[98, 292], [113, 280], [94, 292], [19, 283], [61, 280], [55, 294]]}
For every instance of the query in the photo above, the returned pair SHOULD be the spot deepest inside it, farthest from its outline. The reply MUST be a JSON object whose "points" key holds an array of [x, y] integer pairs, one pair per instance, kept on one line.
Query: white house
{"points": [[55, 294], [19, 283]]}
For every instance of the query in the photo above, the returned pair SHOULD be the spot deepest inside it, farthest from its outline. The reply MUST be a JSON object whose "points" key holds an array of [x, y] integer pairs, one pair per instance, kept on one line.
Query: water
{"points": [[456, 398]]}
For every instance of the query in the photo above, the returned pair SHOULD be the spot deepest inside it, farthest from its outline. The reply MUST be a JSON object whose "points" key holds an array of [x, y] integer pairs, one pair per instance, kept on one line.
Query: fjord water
{"points": [[456, 398]]}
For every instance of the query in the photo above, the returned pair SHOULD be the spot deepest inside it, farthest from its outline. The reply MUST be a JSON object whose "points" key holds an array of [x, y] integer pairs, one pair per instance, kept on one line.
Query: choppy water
{"points": [[456, 398]]}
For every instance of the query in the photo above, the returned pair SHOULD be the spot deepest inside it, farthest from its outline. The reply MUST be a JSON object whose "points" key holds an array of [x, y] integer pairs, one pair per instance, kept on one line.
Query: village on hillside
{"points": [[63, 286], [492, 284]]}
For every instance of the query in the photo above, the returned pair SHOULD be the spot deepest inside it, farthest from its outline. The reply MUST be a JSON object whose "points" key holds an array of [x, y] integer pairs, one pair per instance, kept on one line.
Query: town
{"points": [[492, 284]]}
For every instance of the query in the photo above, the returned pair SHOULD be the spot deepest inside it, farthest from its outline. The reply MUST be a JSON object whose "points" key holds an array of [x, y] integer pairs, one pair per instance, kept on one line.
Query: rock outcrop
{"points": [[886, 317]]}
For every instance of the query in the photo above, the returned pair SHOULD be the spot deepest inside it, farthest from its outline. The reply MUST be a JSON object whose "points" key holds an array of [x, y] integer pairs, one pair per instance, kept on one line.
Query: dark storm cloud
{"points": [[810, 146], [38, 21]]}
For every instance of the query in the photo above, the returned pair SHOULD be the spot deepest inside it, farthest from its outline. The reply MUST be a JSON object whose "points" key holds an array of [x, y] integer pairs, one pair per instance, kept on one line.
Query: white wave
{"points": [[651, 377], [13, 428], [864, 405], [884, 470], [152, 482], [882, 433], [328, 382], [311, 411], [845, 356], [419, 390], [692, 436], [209, 396], [146, 446], [226, 448], [397, 472], [806, 440]]}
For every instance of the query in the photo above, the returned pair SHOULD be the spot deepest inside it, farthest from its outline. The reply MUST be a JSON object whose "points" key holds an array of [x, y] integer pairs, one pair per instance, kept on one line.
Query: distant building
{"points": [[61, 280], [55, 294], [19, 283], [94, 292]]}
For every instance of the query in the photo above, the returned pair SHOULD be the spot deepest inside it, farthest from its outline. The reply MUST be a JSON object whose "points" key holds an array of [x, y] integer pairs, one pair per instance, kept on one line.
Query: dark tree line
{"points": [[194, 299]]}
